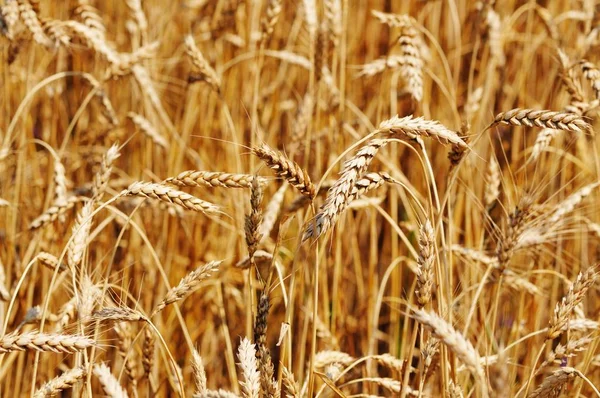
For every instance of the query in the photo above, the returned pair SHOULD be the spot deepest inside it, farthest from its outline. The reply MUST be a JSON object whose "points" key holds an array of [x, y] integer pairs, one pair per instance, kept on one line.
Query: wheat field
{"points": [[312, 198]]}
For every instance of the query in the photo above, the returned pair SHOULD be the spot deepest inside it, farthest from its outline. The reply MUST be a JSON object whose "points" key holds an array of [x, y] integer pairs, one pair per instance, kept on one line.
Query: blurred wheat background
{"points": [[311, 198]]}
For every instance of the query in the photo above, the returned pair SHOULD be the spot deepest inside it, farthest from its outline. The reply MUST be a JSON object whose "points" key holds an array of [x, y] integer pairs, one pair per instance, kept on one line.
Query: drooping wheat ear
{"points": [[92, 40], [81, 232], [4, 293], [270, 19], [562, 352], [9, 13], [148, 352], [171, 195], [369, 182], [458, 151], [474, 255], [60, 181], [567, 205], [519, 284], [109, 383], [103, 175], [59, 343], [247, 357], [510, 239], [425, 264], [54, 212], [107, 109], [412, 69], [543, 118], [188, 285], [541, 142], [215, 179], [126, 61], [592, 74], [380, 65], [327, 357], [253, 220], [205, 71], [199, 373], [271, 213], [261, 258], [568, 78], [562, 311], [291, 386], [394, 20], [118, 314], [56, 31], [390, 361], [553, 384], [30, 19], [124, 341], [91, 18], [303, 119], [286, 168], [137, 13], [492, 183], [65, 381], [322, 51], [455, 341], [413, 127], [148, 129], [338, 195]]}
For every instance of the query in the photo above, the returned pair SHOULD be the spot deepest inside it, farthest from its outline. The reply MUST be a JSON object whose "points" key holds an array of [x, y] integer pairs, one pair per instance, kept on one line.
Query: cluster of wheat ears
{"points": [[224, 198]]}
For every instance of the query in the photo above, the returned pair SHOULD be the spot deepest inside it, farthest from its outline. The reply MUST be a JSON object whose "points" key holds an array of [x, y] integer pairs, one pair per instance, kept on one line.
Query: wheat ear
{"points": [[66, 380], [543, 118], [214, 179]]}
